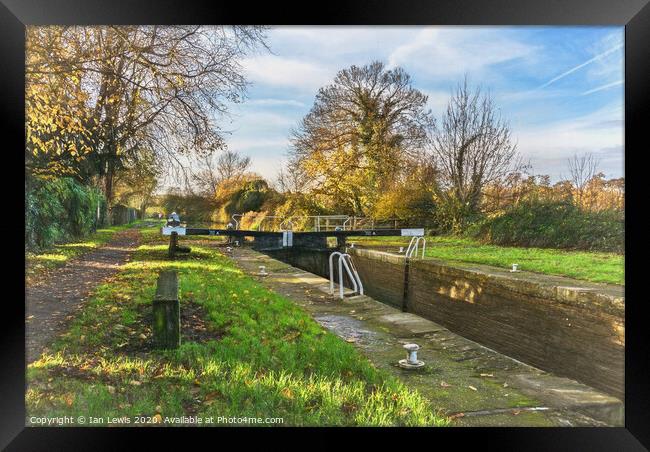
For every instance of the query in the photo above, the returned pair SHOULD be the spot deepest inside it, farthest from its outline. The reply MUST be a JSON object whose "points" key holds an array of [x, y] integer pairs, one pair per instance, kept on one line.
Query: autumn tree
{"points": [[472, 148], [100, 94], [362, 128]]}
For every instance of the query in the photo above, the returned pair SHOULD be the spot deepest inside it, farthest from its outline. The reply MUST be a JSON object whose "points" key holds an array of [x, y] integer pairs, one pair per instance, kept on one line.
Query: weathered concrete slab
{"points": [[567, 393], [411, 322]]}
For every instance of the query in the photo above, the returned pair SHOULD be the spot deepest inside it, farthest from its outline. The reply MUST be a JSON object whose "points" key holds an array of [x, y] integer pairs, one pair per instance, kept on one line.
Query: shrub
{"points": [[59, 209], [193, 209], [553, 224]]}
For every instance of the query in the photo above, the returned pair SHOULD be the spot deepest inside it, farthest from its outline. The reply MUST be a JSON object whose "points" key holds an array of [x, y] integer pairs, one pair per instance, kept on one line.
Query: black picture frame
{"points": [[633, 14]]}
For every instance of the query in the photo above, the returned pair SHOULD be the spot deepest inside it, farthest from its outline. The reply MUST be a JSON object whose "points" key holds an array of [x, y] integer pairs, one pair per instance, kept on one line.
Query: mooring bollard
{"points": [[411, 361], [167, 312]]}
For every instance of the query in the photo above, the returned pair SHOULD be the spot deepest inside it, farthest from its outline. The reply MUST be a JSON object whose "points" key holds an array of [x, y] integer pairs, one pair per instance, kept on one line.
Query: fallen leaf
{"points": [[135, 383], [212, 395], [444, 384]]}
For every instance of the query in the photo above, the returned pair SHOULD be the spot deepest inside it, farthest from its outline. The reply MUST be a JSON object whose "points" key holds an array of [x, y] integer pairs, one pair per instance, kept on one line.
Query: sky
{"points": [[560, 88]]}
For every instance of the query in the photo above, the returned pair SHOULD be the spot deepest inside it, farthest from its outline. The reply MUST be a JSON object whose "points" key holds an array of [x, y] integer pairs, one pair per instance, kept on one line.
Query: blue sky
{"points": [[561, 88]]}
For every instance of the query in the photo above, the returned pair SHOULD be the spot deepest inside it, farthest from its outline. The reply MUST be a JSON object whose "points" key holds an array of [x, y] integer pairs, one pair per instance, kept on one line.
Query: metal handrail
{"points": [[412, 249], [235, 219], [354, 276]]}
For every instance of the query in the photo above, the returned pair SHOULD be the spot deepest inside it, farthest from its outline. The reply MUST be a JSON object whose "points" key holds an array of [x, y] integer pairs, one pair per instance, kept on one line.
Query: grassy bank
{"points": [[590, 266], [247, 352]]}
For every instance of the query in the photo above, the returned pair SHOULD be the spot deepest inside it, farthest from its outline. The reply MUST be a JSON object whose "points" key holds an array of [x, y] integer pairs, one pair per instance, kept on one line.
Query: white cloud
{"points": [[451, 51], [262, 119], [280, 71], [277, 103], [548, 146], [247, 144], [437, 101]]}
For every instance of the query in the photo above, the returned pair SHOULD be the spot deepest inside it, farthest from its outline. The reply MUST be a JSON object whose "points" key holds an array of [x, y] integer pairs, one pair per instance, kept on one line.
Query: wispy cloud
{"points": [[287, 72], [277, 103], [606, 86], [580, 66], [454, 51], [548, 146]]}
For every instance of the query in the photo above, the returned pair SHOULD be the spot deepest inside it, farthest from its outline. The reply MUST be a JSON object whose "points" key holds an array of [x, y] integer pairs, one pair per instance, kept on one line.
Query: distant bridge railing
{"points": [[318, 223]]}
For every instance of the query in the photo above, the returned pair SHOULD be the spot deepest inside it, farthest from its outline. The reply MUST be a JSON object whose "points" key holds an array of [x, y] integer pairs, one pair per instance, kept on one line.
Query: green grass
{"points": [[262, 356], [586, 265]]}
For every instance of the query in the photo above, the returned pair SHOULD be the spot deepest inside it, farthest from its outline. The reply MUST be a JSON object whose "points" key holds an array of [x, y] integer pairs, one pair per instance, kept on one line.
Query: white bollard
{"points": [[411, 361]]}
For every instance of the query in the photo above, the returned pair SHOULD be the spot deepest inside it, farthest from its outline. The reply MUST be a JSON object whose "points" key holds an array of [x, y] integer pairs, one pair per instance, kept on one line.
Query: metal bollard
{"points": [[411, 362]]}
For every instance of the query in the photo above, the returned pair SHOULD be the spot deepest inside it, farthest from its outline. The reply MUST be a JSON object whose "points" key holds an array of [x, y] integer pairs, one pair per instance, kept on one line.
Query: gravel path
{"points": [[52, 303]]}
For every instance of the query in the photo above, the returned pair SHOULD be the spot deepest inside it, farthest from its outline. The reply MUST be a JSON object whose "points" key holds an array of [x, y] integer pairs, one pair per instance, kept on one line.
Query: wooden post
{"points": [[173, 243], [167, 312]]}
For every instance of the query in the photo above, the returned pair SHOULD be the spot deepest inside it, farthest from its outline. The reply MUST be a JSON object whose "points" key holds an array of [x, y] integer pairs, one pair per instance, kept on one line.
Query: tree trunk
{"points": [[108, 188]]}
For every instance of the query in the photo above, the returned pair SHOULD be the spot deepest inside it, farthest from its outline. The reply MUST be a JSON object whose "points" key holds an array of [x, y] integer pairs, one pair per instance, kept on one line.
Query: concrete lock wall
{"points": [[542, 320], [577, 332]]}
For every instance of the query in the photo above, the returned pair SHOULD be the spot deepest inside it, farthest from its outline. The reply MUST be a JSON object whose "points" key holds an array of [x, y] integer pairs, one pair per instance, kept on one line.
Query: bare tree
{"points": [[229, 165], [472, 147], [292, 179], [581, 170]]}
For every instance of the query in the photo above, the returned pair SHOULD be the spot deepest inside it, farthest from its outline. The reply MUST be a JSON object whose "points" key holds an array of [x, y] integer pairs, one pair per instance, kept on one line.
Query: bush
{"points": [[193, 209], [59, 209], [554, 224]]}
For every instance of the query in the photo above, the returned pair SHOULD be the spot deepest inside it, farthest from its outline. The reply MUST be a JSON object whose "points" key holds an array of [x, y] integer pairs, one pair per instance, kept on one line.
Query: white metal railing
{"points": [[319, 222], [412, 250], [351, 271], [235, 219]]}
